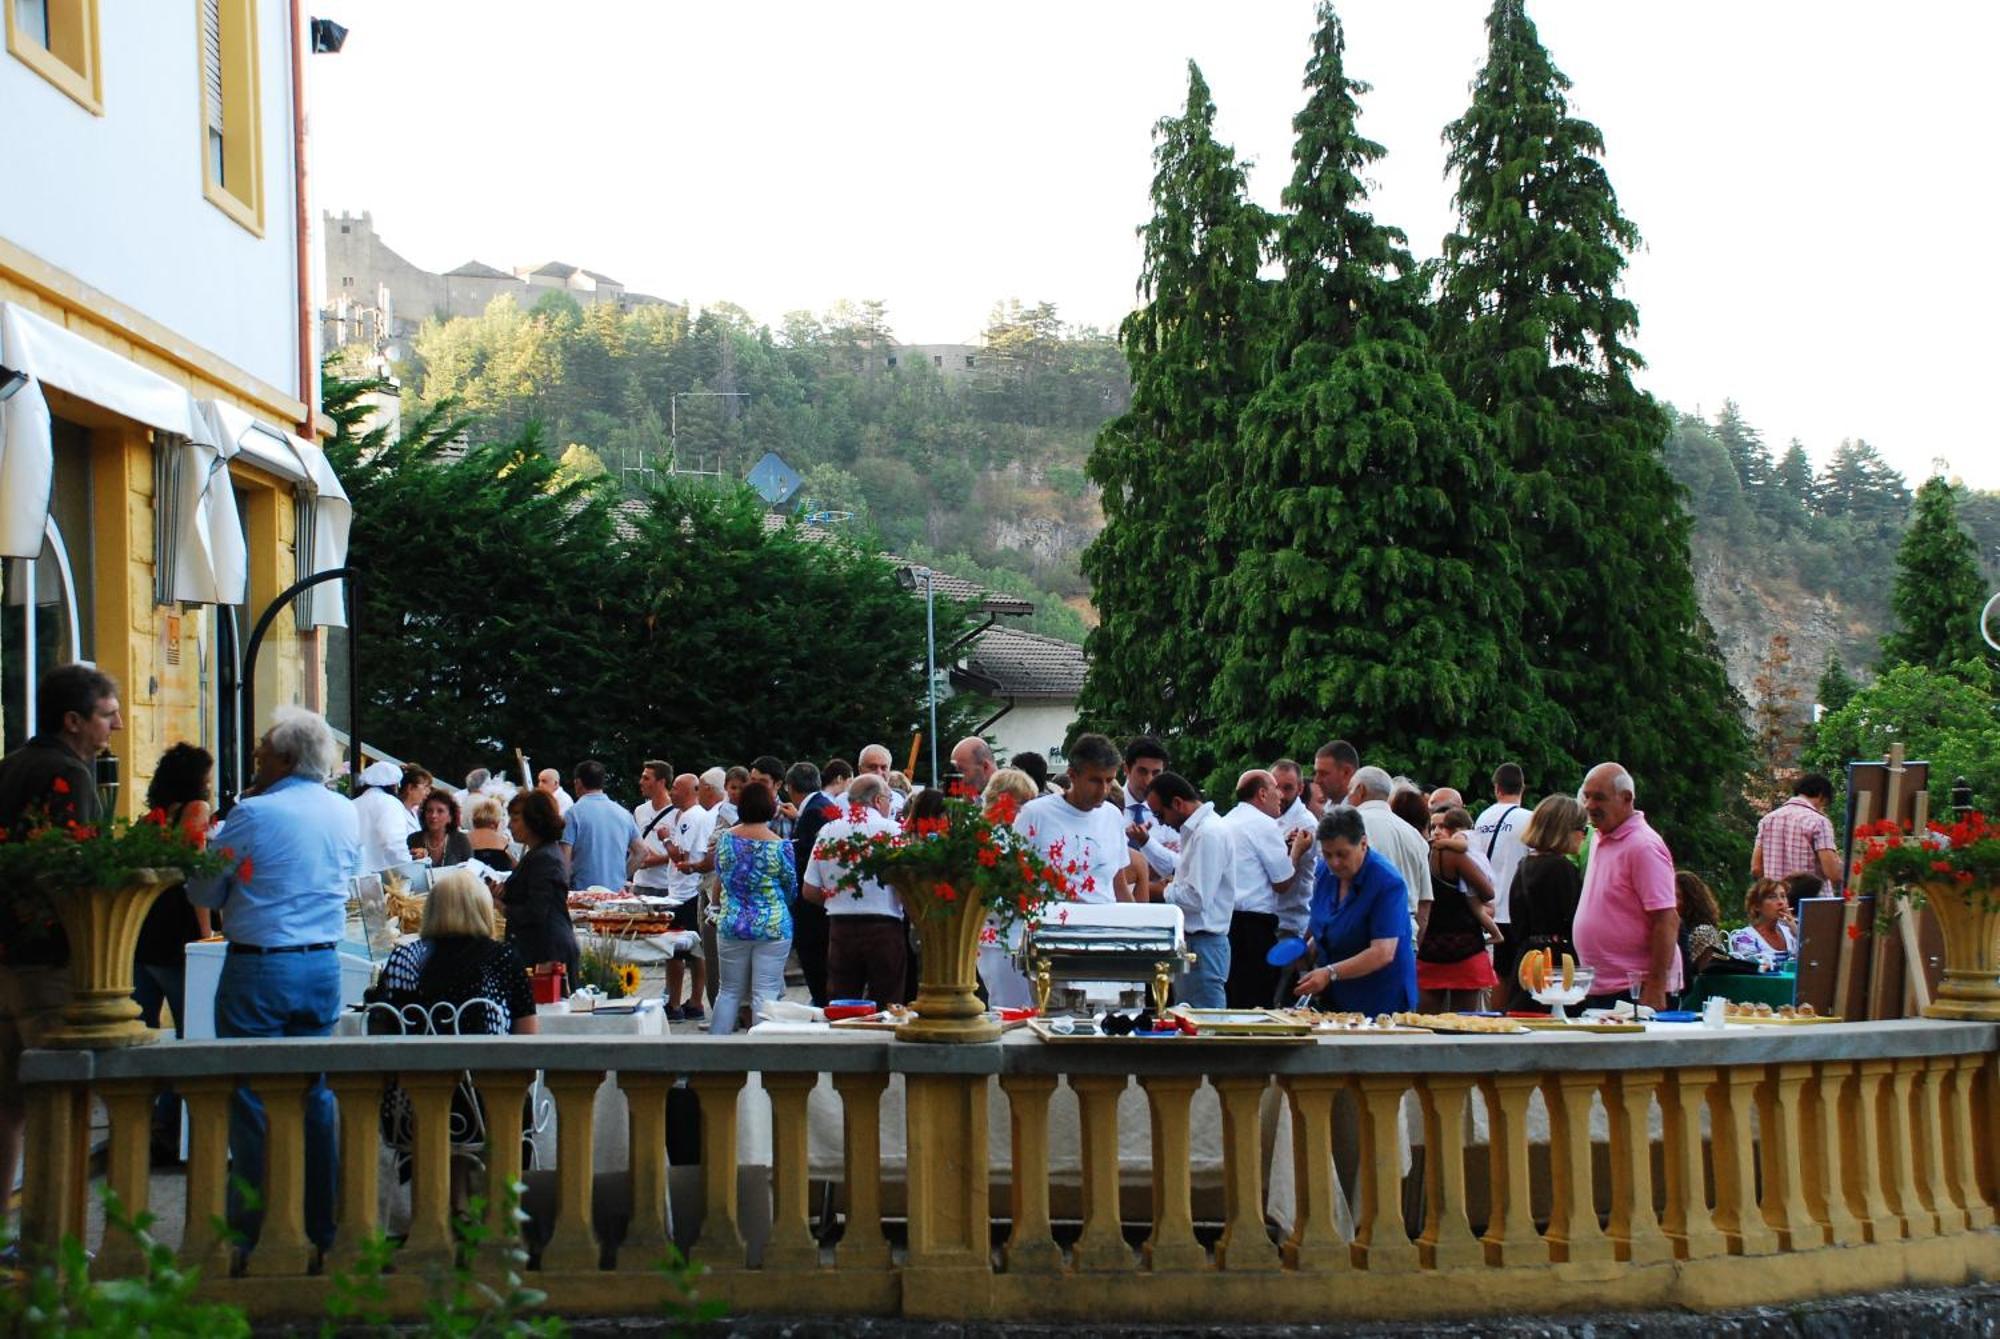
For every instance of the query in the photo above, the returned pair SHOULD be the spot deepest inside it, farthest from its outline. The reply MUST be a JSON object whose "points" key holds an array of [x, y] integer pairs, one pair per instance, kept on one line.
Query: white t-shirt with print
{"points": [[825, 874], [691, 828], [1496, 834], [1088, 847], [655, 878]]}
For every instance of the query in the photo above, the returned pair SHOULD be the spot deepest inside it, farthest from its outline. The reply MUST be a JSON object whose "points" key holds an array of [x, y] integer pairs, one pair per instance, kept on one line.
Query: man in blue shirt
{"points": [[295, 846], [598, 833], [1360, 924]]}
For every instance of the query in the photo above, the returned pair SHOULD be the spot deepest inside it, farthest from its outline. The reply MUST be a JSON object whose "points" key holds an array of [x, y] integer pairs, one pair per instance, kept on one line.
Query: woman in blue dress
{"points": [[1360, 925]]}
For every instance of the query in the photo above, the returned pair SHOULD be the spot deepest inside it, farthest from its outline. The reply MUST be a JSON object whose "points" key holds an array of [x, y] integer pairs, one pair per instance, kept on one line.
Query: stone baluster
{"points": [[1172, 1245], [1733, 1154], [1382, 1242], [646, 1139], [503, 1092], [1899, 1151], [720, 1246], [1101, 1244], [1245, 1244], [1031, 1248], [360, 1139], [1510, 1237], [1862, 1108], [572, 1242], [1315, 1245], [127, 1169], [1961, 1116], [862, 1245], [792, 1245], [282, 1248], [1446, 1241], [950, 1224], [429, 1245], [1634, 1228], [203, 1245], [1688, 1222], [1934, 1143], [1785, 1151], [1829, 1150], [1574, 1236]]}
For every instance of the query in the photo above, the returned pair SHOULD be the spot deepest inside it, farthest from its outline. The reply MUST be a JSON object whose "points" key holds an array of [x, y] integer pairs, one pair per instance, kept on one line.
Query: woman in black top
{"points": [[437, 834], [536, 897], [178, 794], [458, 961], [1547, 883]]}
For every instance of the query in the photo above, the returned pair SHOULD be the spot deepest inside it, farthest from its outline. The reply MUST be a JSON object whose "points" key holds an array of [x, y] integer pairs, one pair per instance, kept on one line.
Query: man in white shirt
{"points": [[688, 828], [874, 761], [653, 869], [1145, 758], [867, 947], [1080, 832], [1265, 865], [1203, 886], [1399, 843], [550, 780], [385, 825], [1496, 834], [1334, 766]]}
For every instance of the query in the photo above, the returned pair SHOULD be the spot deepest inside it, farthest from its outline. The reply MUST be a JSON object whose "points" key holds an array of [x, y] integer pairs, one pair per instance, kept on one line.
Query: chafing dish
{"points": [[1114, 954]]}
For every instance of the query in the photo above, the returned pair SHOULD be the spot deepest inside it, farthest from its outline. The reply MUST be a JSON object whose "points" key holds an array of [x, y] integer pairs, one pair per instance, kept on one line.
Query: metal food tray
{"points": [[1242, 1022]]}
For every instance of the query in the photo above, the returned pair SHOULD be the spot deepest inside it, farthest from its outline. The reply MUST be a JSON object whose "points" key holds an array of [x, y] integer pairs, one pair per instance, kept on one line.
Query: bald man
{"points": [[1264, 864], [549, 781], [1628, 919], [1445, 797], [972, 759], [688, 827]]}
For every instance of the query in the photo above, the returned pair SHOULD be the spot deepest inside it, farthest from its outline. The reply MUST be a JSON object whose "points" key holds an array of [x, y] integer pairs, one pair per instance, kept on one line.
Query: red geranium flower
{"points": [[1854, 932], [59, 786]]}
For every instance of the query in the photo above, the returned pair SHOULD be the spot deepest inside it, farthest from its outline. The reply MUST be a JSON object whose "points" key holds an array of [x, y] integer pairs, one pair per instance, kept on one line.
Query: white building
{"points": [[161, 480]]}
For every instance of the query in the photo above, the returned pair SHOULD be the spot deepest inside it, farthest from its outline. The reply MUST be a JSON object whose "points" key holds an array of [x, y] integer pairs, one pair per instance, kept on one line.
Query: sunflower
{"points": [[628, 978]]}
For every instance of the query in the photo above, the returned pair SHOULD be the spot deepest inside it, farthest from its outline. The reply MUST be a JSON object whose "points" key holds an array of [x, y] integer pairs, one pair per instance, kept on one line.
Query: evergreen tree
{"points": [[1795, 474], [1939, 592], [1836, 686], [1536, 336], [1746, 448], [1374, 594], [1864, 488], [1194, 349]]}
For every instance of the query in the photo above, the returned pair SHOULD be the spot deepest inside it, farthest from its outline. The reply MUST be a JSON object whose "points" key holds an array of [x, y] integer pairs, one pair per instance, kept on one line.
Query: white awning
{"points": [[322, 540], [53, 356]]}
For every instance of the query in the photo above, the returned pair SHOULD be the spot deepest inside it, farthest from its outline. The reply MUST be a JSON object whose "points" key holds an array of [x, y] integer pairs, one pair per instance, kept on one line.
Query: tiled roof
{"points": [[603, 278], [1006, 662], [477, 269], [556, 269]]}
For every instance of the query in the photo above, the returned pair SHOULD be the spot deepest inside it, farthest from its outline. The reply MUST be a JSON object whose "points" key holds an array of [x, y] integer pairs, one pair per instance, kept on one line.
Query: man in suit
{"points": [[809, 929]]}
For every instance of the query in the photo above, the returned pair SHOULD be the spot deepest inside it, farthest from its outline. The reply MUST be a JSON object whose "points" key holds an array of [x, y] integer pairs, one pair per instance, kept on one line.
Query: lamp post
{"points": [[930, 664]]}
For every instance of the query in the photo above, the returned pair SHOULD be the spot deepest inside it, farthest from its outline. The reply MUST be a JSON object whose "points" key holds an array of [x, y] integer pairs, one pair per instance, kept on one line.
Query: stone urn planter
{"points": [[103, 929], [1969, 917], [947, 1004]]}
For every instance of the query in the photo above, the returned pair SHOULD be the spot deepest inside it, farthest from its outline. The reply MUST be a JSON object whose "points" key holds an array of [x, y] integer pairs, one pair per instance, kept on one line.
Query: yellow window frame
{"points": [[71, 60], [241, 194]]}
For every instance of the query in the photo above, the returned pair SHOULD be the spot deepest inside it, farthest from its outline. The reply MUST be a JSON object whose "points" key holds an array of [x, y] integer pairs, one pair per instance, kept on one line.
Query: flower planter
{"points": [[1969, 916], [103, 929], [947, 1004]]}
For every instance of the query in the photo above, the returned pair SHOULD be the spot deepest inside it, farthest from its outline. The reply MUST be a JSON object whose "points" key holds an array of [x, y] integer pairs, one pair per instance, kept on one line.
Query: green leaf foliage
{"points": [[1941, 715], [1195, 347], [1368, 587], [1536, 337]]}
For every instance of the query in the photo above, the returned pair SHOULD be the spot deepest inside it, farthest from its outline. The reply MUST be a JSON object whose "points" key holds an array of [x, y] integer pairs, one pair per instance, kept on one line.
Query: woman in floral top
{"points": [[755, 876]]}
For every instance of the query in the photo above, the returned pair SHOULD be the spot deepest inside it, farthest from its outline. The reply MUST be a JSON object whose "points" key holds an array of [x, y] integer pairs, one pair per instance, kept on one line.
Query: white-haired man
{"points": [[1399, 843], [875, 761], [1628, 920], [867, 946], [295, 846]]}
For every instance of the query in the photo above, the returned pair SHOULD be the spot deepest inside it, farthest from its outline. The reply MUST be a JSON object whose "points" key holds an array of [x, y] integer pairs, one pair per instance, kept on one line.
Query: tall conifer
{"points": [[1939, 591], [1195, 348], [1535, 335], [1373, 591]]}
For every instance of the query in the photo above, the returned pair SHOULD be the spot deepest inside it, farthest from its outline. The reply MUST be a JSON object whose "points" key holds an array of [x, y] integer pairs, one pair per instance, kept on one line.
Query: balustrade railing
{"points": [[1023, 1181]]}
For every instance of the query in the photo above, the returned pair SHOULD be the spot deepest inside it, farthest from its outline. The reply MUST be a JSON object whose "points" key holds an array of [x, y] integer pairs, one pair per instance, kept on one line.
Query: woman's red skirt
{"points": [[1473, 973]]}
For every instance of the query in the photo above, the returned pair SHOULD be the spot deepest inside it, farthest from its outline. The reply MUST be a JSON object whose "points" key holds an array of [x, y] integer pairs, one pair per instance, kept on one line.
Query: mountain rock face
{"points": [[1748, 607]]}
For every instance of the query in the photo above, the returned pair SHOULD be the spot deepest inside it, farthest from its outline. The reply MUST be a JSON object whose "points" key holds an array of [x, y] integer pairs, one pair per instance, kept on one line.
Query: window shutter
{"points": [[211, 80]]}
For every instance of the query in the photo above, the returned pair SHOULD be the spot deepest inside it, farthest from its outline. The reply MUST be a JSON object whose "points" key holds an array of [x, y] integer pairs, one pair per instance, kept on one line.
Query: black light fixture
{"points": [[107, 782], [11, 380], [327, 37], [1961, 796]]}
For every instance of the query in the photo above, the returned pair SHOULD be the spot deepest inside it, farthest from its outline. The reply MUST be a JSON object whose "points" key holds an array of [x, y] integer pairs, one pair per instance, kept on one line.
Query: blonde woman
{"points": [[1547, 884], [1005, 986], [488, 843], [458, 960]]}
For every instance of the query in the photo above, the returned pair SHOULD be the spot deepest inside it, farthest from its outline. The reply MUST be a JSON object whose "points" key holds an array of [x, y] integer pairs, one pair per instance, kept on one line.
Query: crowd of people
{"points": [[1402, 897]]}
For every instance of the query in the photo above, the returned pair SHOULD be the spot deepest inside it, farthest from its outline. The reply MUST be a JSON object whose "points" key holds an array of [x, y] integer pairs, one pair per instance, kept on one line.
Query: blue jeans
{"points": [[281, 995], [1204, 985]]}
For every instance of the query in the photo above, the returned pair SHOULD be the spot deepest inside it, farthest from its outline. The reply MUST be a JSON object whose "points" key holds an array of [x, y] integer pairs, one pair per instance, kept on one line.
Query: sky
{"points": [[1807, 175]]}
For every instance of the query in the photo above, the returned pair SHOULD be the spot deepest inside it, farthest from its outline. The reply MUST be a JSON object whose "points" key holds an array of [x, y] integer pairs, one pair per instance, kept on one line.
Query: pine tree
{"points": [[1795, 474], [1864, 488], [1939, 591], [1535, 334], [1746, 448], [1836, 686], [1373, 594], [1195, 349]]}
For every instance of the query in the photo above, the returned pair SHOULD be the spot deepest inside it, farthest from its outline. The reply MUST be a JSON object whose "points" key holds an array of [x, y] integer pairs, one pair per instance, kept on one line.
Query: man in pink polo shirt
{"points": [[1627, 920]]}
